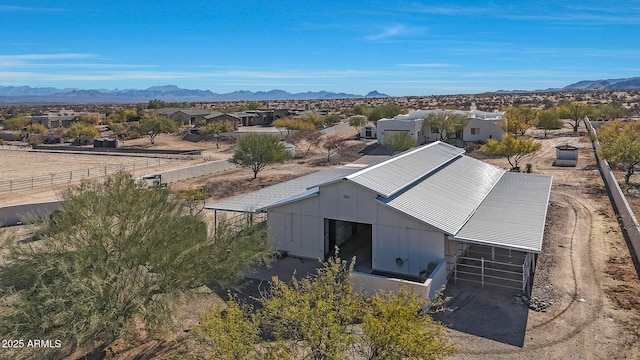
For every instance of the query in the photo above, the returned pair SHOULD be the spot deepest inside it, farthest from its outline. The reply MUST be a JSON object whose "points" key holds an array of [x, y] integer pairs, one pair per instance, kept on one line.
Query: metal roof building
{"points": [[426, 206]]}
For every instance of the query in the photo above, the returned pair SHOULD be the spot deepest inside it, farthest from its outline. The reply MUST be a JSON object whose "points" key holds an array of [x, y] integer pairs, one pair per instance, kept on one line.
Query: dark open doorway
{"points": [[352, 239]]}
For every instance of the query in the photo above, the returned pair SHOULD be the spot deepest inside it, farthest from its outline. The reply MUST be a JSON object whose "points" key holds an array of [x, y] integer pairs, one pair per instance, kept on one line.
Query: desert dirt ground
{"points": [[584, 270]]}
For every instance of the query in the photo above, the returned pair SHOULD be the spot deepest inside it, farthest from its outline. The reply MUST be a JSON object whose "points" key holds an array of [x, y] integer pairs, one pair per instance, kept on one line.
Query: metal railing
{"points": [[74, 175]]}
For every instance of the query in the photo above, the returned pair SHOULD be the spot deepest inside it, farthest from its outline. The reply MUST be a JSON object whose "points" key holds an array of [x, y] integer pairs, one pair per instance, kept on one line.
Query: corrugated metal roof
{"points": [[395, 174], [297, 189], [447, 198], [513, 214]]}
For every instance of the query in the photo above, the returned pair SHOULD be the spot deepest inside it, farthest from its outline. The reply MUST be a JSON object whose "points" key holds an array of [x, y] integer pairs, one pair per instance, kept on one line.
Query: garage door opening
{"points": [[352, 239]]}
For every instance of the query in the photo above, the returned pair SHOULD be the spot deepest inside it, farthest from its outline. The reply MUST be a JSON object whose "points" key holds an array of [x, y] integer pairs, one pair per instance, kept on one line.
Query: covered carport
{"points": [[500, 243]]}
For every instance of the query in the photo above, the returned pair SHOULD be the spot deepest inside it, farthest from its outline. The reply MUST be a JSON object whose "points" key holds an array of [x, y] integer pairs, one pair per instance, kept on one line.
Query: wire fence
{"points": [[15, 147], [75, 175]]}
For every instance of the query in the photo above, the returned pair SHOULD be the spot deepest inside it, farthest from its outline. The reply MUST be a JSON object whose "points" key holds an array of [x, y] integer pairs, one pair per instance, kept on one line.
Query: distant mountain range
{"points": [[609, 84], [172, 93], [169, 93]]}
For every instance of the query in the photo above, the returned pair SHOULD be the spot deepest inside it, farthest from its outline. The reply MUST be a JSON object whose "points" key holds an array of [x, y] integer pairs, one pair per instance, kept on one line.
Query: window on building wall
{"points": [[435, 130], [475, 131]]}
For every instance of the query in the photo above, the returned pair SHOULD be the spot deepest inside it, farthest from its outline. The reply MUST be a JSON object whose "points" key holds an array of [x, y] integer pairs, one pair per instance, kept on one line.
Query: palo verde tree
{"points": [[117, 253], [357, 122], [256, 151], [384, 112], [321, 316], [519, 120], [620, 143], [576, 112], [397, 325], [612, 111], [79, 131], [513, 148], [153, 125], [16, 123], [399, 141], [548, 120], [446, 124]]}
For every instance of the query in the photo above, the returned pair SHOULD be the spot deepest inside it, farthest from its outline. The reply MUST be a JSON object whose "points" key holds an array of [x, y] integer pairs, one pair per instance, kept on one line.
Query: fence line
{"points": [[627, 219], [15, 147], [74, 175]]}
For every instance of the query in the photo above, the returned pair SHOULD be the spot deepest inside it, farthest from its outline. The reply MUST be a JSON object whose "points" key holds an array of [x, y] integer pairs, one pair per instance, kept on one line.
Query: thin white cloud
{"points": [[10, 8], [429, 65], [35, 57], [387, 32]]}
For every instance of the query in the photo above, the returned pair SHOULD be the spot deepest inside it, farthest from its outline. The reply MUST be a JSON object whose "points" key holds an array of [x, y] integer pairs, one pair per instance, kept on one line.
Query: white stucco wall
{"points": [[298, 228], [488, 129], [414, 127]]}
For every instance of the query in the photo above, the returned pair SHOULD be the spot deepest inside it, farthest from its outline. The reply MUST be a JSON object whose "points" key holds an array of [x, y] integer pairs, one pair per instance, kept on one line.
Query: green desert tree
{"points": [[117, 253], [314, 311], [519, 120], [513, 148], [36, 128], [90, 119], [357, 122], [576, 112], [322, 316], [397, 325], [292, 124], [256, 151], [549, 120], [16, 123], [612, 111], [154, 125], [331, 119], [361, 109], [620, 143], [400, 141], [215, 128], [446, 123], [384, 112], [79, 131], [230, 332]]}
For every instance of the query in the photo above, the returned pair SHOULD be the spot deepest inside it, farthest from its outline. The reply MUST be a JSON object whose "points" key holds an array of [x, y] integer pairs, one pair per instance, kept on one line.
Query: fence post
{"points": [[70, 175]]}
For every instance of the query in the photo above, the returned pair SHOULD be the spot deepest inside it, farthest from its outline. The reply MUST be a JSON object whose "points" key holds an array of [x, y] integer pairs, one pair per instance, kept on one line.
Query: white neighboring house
{"points": [[482, 125], [421, 217], [368, 131]]}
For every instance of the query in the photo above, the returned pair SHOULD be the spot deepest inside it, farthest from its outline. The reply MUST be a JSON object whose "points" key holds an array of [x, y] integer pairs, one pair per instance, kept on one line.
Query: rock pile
{"points": [[534, 304]]}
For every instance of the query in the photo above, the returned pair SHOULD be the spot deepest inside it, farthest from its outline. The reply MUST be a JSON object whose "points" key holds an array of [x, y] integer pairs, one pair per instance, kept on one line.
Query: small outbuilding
{"points": [[566, 155]]}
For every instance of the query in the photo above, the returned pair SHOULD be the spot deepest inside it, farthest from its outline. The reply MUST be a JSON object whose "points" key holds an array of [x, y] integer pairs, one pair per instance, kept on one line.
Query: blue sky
{"points": [[396, 47]]}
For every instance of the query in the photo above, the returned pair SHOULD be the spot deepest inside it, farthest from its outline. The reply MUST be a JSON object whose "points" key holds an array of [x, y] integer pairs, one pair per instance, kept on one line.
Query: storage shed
{"points": [[566, 155]]}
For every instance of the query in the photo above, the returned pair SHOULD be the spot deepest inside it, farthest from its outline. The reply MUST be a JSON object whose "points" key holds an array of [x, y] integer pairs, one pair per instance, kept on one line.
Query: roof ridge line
{"points": [[481, 201], [422, 177], [392, 159]]}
